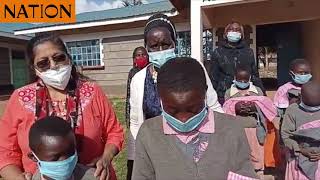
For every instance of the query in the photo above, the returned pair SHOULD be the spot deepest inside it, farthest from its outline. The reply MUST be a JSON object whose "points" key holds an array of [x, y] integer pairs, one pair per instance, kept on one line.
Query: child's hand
{"points": [[294, 100], [311, 154], [245, 108], [251, 107], [240, 109]]}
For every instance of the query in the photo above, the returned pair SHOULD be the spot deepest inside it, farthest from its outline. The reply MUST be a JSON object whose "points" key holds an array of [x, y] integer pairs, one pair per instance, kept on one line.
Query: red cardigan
{"points": [[99, 120]]}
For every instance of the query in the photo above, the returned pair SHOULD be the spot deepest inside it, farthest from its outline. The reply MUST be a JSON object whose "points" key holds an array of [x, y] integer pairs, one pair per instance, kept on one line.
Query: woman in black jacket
{"points": [[231, 52]]}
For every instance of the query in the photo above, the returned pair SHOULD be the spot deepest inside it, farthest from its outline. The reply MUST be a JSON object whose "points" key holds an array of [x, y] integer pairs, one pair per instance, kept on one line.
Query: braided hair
{"points": [[160, 20]]}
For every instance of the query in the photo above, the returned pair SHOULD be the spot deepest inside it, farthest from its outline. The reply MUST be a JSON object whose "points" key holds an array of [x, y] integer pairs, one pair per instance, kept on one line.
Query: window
{"points": [[207, 44], [85, 53], [184, 44]]}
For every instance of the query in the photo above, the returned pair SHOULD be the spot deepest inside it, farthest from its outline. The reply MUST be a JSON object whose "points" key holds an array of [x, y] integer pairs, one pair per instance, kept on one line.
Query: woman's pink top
{"points": [[100, 126]]}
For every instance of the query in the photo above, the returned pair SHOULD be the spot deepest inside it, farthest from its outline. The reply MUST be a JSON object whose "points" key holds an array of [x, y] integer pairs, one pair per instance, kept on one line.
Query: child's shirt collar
{"points": [[234, 90]]}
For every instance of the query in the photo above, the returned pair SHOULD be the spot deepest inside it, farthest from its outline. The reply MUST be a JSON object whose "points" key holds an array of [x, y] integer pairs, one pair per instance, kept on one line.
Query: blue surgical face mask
{"points": [[58, 170], [301, 78], [241, 85], [188, 126], [309, 108], [234, 36], [159, 58]]}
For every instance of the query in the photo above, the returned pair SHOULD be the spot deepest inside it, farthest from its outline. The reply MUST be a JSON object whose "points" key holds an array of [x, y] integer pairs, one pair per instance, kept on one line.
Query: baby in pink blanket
{"points": [[238, 104]]}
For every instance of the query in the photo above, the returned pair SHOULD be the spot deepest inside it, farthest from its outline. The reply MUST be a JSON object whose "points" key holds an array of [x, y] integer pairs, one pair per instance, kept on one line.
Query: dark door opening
{"points": [[277, 46]]}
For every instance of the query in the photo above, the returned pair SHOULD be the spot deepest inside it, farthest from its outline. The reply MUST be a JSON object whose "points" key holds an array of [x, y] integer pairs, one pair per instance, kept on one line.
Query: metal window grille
{"points": [[85, 53]]}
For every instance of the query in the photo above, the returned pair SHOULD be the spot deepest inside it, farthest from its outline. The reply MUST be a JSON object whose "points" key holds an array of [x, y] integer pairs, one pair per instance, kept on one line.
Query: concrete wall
{"points": [[116, 53], [117, 58], [311, 37]]}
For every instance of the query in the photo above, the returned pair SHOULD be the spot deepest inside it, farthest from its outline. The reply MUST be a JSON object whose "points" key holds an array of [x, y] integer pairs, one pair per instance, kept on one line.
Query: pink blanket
{"points": [[281, 99], [269, 110], [264, 103], [292, 170]]}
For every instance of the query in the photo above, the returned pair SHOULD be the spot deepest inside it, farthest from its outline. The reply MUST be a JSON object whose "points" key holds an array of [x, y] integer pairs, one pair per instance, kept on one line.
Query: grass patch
{"points": [[120, 162]]}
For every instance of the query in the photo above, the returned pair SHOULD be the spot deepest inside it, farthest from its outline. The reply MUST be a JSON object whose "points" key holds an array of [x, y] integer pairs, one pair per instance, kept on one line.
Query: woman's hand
{"points": [[102, 168], [103, 163], [14, 172]]}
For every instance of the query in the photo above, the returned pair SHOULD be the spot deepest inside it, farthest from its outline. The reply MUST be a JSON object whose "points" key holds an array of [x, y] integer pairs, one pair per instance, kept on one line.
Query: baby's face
{"points": [[56, 148]]}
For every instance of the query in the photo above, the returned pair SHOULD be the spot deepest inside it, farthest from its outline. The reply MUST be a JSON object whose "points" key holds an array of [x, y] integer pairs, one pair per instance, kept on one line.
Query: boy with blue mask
{"points": [[242, 87], [189, 138], [53, 148], [303, 116]]}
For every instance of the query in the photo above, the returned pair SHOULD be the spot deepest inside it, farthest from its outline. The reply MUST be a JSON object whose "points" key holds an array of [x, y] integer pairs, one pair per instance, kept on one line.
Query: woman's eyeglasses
{"points": [[58, 59]]}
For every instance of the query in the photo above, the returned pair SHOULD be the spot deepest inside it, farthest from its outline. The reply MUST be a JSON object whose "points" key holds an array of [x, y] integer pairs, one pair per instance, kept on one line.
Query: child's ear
{"points": [[32, 157]]}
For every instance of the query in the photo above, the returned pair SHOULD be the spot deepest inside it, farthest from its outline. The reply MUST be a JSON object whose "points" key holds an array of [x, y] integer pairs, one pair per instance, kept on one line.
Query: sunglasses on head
{"points": [[44, 64]]}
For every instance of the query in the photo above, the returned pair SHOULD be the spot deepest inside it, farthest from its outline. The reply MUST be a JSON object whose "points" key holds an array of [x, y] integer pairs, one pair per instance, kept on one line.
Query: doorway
{"points": [[277, 46], [19, 68]]}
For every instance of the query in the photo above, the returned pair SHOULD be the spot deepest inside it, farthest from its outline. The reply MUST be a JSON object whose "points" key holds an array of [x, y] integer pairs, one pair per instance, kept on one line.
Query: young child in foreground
{"points": [[53, 145], [300, 134], [247, 100], [190, 141]]}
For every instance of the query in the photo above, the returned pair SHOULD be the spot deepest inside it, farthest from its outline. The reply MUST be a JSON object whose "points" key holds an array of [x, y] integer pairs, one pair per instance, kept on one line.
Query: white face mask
{"points": [[57, 78]]}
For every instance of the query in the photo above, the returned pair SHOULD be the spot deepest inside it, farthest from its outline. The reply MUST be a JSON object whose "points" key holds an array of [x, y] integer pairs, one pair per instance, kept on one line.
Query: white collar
{"points": [[234, 90]]}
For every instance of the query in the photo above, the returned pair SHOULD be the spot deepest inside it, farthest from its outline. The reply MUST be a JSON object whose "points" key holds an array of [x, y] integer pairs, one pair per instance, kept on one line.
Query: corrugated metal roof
{"points": [[130, 11], [10, 27], [113, 14]]}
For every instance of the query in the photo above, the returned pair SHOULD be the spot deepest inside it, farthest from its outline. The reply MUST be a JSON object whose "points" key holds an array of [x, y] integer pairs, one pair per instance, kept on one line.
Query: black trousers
{"points": [[130, 168]]}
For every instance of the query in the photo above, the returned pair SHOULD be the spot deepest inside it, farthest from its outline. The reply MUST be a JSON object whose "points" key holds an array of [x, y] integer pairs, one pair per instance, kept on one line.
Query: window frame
{"points": [[205, 46], [100, 52]]}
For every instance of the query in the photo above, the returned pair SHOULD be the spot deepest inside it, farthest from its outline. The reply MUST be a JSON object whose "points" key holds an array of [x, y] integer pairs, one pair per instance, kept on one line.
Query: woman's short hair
{"points": [[229, 25]]}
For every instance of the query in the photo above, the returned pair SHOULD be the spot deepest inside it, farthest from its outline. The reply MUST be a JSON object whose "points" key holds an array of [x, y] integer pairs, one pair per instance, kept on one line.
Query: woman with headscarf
{"points": [[231, 52], [160, 42]]}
